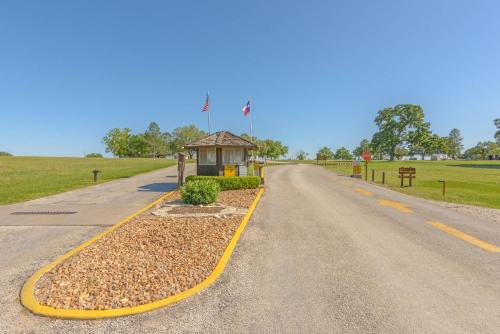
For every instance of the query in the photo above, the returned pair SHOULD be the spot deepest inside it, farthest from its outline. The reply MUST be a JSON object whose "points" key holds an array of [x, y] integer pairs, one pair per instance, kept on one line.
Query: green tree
{"points": [[401, 151], [401, 125], [343, 154], [325, 153], [184, 135], [138, 146], [301, 155], [155, 140], [497, 134], [364, 146], [117, 141], [455, 145], [482, 150], [5, 154]]}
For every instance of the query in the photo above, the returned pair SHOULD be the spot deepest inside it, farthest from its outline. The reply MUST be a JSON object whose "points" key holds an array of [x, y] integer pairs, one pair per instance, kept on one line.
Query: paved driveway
{"points": [[326, 254], [29, 241]]}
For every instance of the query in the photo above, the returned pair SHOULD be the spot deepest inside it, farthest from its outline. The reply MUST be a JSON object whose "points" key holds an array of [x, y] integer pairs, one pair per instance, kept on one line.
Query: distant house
{"points": [[437, 156], [221, 149]]}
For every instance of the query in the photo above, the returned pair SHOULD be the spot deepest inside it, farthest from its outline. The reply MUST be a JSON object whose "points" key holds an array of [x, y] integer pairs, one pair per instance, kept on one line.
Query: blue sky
{"points": [[317, 71]]}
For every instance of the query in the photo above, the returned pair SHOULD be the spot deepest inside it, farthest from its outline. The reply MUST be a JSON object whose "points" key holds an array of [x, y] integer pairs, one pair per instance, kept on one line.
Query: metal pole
{"points": [[373, 175], [209, 130], [366, 170], [383, 177]]}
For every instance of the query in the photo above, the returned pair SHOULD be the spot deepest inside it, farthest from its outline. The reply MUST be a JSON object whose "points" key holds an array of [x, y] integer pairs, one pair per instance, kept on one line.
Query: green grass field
{"points": [[24, 178], [467, 182]]}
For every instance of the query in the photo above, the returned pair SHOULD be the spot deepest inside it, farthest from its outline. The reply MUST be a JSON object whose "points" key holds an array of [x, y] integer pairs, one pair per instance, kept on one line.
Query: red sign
{"points": [[367, 156]]}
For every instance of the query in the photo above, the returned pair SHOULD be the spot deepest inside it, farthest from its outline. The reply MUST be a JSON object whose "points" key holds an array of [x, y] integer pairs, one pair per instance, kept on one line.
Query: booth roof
{"points": [[221, 139]]}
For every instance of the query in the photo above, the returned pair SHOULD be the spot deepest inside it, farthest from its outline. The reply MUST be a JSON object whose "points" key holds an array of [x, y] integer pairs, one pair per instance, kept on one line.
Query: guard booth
{"points": [[221, 154]]}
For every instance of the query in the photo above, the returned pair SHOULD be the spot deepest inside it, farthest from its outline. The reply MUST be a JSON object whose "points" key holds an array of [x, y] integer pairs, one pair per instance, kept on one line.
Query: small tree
{"points": [[186, 134], [455, 145], [301, 155], [117, 141], [343, 154], [325, 153], [364, 146]]}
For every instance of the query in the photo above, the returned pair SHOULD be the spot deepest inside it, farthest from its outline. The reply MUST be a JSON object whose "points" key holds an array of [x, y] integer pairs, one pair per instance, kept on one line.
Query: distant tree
{"points": [[301, 155], [5, 154], [400, 152], [400, 126], [155, 140], [325, 153], [184, 135], [272, 149], [455, 145], [343, 154], [364, 146], [138, 146], [93, 155], [251, 139], [482, 150], [497, 134], [117, 142]]}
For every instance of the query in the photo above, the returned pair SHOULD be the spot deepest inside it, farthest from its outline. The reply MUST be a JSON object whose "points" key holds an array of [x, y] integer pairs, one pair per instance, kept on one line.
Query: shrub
{"points": [[229, 182], [5, 154], [93, 155], [200, 192]]}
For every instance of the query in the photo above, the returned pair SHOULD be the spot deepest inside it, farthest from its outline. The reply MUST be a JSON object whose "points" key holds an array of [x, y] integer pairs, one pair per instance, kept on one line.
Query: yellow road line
{"points": [[395, 205], [31, 303], [364, 192], [465, 237]]}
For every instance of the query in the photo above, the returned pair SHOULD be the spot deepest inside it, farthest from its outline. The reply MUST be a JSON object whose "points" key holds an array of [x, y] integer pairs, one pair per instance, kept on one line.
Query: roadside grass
{"points": [[25, 178], [467, 182]]}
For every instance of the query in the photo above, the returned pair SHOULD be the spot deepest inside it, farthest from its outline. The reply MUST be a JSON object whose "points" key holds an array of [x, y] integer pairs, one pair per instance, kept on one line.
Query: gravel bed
{"points": [[147, 259]]}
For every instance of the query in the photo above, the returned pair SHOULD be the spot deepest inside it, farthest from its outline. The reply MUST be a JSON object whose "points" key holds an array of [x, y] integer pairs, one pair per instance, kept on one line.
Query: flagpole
{"points": [[251, 127], [209, 132]]}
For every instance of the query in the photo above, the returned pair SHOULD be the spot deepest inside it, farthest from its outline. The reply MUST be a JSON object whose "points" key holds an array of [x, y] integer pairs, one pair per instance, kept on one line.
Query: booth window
{"points": [[206, 156], [232, 156]]}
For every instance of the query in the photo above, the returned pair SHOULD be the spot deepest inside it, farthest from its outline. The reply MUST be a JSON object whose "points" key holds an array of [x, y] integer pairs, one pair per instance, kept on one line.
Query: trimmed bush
{"points": [[229, 182], [200, 192]]}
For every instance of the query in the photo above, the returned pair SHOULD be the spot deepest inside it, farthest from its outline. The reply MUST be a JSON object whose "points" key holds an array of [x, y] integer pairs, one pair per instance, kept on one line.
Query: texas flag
{"points": [[246, 108]]}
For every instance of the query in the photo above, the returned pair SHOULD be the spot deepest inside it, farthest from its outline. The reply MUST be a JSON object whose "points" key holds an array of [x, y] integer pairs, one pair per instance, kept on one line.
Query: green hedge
{"points": [[200, 192], [230, 182]]}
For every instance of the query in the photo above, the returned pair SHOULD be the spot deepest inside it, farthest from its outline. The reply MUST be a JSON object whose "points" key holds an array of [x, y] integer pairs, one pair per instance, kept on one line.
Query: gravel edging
{"points": [[144, 260]]}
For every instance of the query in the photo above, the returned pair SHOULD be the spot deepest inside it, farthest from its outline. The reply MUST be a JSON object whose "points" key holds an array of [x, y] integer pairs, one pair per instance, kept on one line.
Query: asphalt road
{"points": [[322, 254]]}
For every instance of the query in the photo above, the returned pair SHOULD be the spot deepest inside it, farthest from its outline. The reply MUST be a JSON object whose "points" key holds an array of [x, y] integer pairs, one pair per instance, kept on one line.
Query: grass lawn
{"points": [[467, 182], [24, 178]]}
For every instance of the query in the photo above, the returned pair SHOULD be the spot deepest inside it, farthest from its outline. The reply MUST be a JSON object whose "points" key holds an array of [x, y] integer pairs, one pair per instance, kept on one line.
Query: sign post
{"points": [[367, 156]]}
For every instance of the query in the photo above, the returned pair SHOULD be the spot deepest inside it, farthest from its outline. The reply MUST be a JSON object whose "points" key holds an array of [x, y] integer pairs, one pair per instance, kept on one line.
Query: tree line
{"points": [[403, 131], [155, 143], [266, 148]]}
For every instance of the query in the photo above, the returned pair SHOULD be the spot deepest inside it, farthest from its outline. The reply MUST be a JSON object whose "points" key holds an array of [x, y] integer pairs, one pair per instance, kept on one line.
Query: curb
{"points": [[29, 301]]}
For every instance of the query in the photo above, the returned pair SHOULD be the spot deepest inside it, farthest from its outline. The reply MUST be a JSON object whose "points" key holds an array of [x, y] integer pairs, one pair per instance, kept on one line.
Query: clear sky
{"points": [[317, 71]]}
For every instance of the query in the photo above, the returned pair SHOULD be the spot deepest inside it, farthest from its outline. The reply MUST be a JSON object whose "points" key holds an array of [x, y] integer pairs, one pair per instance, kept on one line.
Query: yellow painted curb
{"points": [[29, 301]]}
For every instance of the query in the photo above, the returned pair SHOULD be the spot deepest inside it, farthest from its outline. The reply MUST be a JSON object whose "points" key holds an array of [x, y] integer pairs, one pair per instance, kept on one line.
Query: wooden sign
{"points": [[229, 170]]}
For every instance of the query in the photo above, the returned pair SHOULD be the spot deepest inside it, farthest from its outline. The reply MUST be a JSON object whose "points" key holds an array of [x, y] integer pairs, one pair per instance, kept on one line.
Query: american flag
{"points": [[206, 105], [246, 109]]}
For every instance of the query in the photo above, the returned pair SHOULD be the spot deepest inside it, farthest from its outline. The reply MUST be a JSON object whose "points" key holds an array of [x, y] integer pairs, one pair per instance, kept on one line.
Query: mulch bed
{"points": [[146, 259]]}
